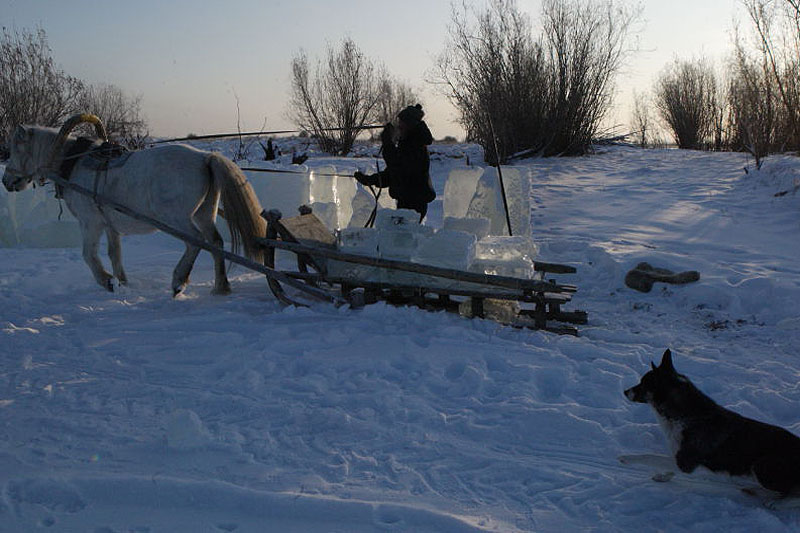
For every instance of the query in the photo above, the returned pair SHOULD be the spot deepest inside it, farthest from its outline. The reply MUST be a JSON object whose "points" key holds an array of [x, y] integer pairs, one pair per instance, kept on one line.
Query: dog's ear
{"points": [[653, 365], [666, 361]]}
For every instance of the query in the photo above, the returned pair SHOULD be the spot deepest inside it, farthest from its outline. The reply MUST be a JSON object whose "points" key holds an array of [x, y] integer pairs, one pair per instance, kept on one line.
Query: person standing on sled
{"points": [[407, 162]]}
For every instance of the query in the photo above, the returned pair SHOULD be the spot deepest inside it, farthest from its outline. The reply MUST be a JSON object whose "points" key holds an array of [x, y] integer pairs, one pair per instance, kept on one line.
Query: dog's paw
{"points": [[663, 477]]}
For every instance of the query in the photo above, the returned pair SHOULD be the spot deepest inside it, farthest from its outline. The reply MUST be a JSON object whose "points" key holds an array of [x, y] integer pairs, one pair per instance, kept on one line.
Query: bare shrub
{"points": [[121, 114], [33, 90], [686, 100], [492, 70], [587, 43], [543, 96], [341, 93]]}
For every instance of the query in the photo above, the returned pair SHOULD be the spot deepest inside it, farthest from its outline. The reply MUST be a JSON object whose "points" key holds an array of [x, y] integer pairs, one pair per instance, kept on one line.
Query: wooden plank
{"points": [[555, 268], [182, 235], [573, 317], [458, 275], [556, 297], [308, 230]]}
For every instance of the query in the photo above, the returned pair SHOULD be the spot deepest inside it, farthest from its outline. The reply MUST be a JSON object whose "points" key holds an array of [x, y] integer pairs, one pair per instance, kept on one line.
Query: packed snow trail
{"points": [[132, 411]]}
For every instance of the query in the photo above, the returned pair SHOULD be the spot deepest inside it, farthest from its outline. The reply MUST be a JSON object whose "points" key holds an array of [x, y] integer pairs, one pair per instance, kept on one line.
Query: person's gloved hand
{"points": [[387, 134], [361, 177]]}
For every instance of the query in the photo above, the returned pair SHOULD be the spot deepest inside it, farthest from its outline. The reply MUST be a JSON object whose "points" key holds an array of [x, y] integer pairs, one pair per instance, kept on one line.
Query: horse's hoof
{"points": [[177, 290], [221, 292], [109, 286]]}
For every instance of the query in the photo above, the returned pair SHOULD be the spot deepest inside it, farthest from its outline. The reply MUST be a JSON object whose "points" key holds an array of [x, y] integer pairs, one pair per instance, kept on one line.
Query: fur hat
{"points": [[412, 114]]}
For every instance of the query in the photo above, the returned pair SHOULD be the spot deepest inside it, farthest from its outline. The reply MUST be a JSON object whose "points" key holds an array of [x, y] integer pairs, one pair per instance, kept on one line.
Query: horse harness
{"points": [[93, 156]]}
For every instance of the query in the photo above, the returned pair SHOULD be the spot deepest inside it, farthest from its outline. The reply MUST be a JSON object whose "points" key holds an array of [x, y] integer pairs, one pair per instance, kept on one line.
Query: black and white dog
{"points": [[706, 434]]}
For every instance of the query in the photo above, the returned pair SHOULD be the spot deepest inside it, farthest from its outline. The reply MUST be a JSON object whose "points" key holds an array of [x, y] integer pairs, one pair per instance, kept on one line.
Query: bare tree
{"points": [[776, 31], [753, 112], [342, 93], [544, 96], [640, 119], [121, 114], [686, 100], [393, 96], [33, 90]]}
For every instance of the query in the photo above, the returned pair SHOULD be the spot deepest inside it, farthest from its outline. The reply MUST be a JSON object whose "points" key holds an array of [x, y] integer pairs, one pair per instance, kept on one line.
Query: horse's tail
{"points": [[242, 208]]}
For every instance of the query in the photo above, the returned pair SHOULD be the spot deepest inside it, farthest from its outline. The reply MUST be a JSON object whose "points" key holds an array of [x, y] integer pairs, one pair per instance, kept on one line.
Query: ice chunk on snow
{"points": [[363, 241], [505, 256], [328, 186], [518, 193], [388, 219], [346, 187], [31, 218], [286, 189], [328, 213], [488, 201], [401, 243], [360, 241], [364, 202], [505, 248], [322, 184], [459, 189], [518, 267], [476, 226], [362, 206], [396, 244], [446, 248]]}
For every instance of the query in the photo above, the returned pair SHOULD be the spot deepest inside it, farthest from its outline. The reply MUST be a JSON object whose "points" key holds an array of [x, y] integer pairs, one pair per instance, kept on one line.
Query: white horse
{"points": [[177, 185]]}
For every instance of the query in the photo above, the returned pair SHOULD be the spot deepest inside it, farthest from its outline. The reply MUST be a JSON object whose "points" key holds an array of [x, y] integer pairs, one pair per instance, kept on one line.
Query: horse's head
{"points": [[35, 151], [20, 167]]}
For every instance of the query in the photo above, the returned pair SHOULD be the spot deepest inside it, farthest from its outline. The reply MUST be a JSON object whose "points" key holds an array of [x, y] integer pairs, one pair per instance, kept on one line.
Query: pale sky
{"points": [[187, 58]]}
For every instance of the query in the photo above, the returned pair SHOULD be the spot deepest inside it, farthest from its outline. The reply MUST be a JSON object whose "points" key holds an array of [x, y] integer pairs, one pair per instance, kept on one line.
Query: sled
{"points": [[532, 303], [468, 293]]}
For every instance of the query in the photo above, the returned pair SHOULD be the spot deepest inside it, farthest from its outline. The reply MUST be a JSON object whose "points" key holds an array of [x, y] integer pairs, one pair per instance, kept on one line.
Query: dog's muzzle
{"points": [[633, 395]]}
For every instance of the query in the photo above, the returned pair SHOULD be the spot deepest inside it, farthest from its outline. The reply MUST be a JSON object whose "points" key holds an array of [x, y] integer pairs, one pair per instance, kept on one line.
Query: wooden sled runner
{"points": [[534, 303]]}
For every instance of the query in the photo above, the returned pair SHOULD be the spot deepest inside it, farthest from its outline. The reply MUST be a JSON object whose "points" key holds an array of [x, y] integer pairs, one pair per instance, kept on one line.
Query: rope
{"points": [[254, 133], [371, 220]]}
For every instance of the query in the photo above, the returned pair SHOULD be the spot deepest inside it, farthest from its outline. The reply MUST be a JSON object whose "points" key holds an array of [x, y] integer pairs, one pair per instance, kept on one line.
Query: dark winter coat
{"points": [[407, 172]]}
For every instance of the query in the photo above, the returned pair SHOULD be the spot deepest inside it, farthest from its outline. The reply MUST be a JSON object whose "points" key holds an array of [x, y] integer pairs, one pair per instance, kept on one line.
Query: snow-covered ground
{"points": [[132, 411]]}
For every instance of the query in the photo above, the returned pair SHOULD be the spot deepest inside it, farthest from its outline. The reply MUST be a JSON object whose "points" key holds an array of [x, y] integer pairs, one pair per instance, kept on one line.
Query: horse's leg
{"points": [[204, 219], [91, 242], [221, 283], [180, 276], [115, 254]]}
